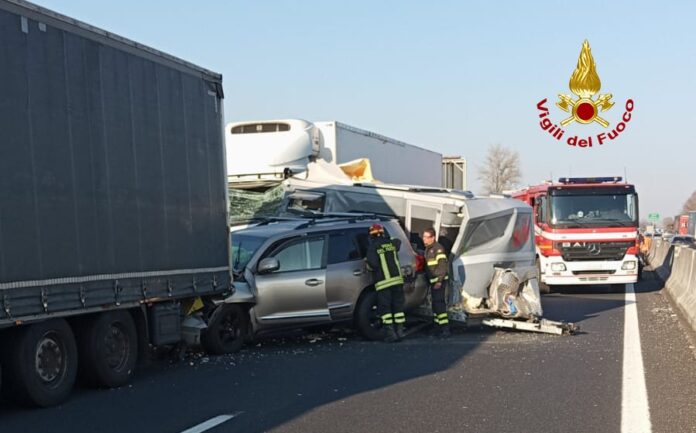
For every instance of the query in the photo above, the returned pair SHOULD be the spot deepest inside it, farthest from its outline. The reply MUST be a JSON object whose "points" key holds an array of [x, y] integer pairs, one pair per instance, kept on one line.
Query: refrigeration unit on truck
{"points": [[113, 223], [585, 230], [266, 151]]}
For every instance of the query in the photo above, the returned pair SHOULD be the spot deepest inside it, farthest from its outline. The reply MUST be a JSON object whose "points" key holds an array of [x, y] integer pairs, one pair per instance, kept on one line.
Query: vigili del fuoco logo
{"points": [[586, 109]]}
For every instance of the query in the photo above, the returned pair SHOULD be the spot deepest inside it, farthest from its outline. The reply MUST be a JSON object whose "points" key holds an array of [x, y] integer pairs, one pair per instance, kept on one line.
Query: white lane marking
{"points": [[635, 412], [212, 422]]}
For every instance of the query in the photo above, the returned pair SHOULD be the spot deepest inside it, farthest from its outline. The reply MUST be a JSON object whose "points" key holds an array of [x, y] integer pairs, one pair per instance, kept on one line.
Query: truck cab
{"points": [[585, 231]]}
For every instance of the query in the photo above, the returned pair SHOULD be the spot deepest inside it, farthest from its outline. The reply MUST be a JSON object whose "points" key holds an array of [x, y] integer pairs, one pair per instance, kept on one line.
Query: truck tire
{"points": [[227, 329], [366, 319], [108, 347], [543, 287], [42, 364]]}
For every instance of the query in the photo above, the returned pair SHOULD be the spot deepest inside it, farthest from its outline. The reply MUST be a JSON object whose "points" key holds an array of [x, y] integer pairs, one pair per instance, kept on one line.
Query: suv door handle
{"points": [[357, 272], [313, 282]]}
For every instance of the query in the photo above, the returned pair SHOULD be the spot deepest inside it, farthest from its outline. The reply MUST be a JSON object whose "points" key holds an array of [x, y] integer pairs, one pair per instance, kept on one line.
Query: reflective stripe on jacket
{"points": [[383, 260], [436, 261]]}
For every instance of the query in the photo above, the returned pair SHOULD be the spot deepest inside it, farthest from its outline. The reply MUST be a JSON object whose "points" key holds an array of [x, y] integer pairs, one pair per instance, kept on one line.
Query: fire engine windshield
{"points": [[592, 208]]}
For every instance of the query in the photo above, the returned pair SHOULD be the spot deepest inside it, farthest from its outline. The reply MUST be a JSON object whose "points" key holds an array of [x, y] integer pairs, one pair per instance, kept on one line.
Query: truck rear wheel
{"points": [[108, 347], [41, 365], [227, 329]]}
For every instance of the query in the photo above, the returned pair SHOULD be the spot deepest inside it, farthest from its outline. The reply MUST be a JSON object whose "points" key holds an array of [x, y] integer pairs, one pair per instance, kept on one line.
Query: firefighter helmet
{"points": [[376, 230]]}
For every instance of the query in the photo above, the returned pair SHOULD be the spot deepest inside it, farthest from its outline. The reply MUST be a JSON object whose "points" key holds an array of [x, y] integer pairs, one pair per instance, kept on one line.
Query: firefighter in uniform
{"points": [[436, 261], [382, 259]]}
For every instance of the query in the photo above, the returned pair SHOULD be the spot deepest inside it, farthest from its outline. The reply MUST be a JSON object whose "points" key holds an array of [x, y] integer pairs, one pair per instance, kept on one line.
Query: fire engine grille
{"points": [[578, 251], [594, 272]]}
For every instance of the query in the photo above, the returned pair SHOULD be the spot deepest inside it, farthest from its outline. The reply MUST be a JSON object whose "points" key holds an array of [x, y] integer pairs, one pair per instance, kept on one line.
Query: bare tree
{"points": [[643, 224], [668, 224], [690, 204], [501, 169]]}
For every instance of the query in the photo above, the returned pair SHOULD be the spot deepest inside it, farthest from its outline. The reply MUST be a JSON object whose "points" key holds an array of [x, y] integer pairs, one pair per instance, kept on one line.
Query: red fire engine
{"points": [[586, 231]]}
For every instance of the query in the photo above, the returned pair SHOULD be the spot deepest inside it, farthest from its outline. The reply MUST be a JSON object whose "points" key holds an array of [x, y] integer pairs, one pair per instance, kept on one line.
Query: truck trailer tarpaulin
{"points": [[112, 170]]}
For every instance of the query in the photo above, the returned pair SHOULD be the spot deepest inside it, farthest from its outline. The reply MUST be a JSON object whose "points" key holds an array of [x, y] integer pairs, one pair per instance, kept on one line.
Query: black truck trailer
{"points": [[113, 212]]}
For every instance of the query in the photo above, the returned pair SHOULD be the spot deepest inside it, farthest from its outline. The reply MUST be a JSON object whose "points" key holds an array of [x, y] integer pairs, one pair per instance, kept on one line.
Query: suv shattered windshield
{"points": [[243, 249]]}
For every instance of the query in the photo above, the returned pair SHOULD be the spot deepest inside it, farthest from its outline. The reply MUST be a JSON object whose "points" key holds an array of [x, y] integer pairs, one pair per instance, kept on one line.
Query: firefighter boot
{"points": [[400, 331], [390, 334]]}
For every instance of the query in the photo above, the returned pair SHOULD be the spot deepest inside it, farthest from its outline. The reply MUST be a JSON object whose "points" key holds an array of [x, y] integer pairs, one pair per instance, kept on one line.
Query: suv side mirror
{"points": [[267, 265]]}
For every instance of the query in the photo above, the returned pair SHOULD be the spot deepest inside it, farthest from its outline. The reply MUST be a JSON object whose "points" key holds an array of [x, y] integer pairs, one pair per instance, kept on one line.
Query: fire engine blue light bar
{"points": [[589, 179]]}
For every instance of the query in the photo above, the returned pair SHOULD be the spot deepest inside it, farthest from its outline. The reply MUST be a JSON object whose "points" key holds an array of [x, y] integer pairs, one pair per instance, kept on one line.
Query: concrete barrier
{"points": [[662, 259], [677, 267], [681, 263], [651, 251]]}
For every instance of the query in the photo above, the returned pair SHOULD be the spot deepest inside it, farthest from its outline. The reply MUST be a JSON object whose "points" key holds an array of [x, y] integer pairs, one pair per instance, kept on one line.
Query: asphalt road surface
{"points": [[479, 380]]}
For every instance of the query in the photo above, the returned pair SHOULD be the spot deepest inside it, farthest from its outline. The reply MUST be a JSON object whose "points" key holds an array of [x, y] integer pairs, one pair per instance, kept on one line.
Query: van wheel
{"points": [[227, 329], [108, 346], [41, 365], [543, 287], [366, 319]]}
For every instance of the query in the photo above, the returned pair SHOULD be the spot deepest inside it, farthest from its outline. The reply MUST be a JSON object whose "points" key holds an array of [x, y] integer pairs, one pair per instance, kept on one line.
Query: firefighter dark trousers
{"points": [[439, 305], [390, 305]]}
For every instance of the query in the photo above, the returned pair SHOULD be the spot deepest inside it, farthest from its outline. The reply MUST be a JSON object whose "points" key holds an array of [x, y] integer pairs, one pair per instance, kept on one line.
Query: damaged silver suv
{"points": [[297, 272]]}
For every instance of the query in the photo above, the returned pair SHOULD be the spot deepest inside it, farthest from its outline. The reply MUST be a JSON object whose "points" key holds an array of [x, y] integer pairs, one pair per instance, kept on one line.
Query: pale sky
{"points": [[451, 76]]}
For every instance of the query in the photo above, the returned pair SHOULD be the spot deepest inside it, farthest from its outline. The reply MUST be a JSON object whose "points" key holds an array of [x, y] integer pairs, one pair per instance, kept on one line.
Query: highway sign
{"points": [[654, 217]]}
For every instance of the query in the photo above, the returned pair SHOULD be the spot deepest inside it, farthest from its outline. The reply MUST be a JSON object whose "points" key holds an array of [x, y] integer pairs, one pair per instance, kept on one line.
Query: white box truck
{"points": [[266, 150]]}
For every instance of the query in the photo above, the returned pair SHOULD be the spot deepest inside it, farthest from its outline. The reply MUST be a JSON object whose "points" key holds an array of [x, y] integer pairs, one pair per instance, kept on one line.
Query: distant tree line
{"points": [[500, 170]]}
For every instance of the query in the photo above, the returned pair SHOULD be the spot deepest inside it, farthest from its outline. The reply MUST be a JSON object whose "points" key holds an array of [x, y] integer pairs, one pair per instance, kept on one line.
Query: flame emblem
{"points": [[585, 83]]}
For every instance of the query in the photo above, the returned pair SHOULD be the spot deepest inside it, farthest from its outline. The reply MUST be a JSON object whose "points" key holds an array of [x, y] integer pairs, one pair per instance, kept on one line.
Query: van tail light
{"points": [[547, 247], [420, 263], [520, 235]]}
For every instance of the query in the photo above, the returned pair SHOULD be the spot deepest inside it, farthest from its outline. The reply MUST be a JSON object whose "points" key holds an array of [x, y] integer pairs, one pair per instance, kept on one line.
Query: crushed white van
{"points": [[490, 239]]}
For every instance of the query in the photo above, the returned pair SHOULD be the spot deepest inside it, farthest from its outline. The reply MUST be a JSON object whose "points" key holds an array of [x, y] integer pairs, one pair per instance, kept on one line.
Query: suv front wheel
{"points": [[366, 319], [227, 328]]}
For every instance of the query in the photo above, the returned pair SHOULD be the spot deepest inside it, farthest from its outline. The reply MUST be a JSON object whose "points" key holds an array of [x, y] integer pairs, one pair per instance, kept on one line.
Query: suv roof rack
{"points": [[308, 218], [267, 220], [313, 218], [350, 214]]}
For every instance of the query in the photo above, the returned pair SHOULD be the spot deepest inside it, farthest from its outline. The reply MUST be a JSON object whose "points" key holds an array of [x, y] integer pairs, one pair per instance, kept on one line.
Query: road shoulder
{"points": [[669, 358]]}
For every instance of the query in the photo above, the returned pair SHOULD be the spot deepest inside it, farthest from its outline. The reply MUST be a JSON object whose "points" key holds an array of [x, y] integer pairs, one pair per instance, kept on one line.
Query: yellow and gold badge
{"points": [[585, 83]]}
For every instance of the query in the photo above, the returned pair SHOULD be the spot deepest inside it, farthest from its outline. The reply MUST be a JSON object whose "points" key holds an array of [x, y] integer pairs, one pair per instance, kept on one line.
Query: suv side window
{"points": [[343, 247], [349, 245], [300, 255]]}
